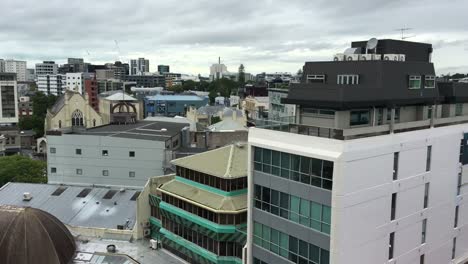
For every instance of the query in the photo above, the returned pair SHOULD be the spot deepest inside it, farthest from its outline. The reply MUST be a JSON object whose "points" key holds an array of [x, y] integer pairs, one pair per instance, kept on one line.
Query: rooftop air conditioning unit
{"points": [[352, 57], [146, 224], [147, 232], [339, 57], [27, 196], [402, 57], [391, 57], [365, 57]]}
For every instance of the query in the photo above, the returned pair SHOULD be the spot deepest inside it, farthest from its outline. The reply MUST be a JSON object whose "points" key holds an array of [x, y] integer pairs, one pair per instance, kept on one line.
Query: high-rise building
{"points": [[74, 65], [46, 68], [163, 69], [218, 70], [8, 99], [18, 67], [372, 170], [51, 84], [138, 67]]}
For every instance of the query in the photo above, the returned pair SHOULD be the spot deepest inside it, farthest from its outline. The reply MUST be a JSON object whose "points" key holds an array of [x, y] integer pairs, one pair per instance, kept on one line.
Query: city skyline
{"points": [[264, 36]]}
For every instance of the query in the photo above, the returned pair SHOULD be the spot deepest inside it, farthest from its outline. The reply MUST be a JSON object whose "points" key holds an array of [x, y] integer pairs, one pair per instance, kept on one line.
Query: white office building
{"points": [[374, 169], [51, 84], [18, 67], [74, 82]]}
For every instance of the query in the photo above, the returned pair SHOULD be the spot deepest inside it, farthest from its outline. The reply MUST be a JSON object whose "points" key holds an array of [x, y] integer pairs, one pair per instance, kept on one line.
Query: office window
{"points": [[131, 154], [397, 114], [105, 153], [360, 117], [78, 151], [79, 171], [429, 81], [414, 82], [131, 174], [53, 150], [391, 245], [421, 259], [454, 246], [459, 183], [396, 157], [318, 78], [455, 224], [428, 158], [105, 173], [302, 169], [426, 195], [296, 209], [53, 170], [458, 109], [423, 232], [289, 247], [348, 79], [393, 208], [429, 112]]}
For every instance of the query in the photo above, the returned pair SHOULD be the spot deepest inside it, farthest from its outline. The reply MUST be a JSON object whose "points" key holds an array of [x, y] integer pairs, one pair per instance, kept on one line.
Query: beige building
{"points": [[257, 107], [202, 116], [72, 110], [120, 106]]}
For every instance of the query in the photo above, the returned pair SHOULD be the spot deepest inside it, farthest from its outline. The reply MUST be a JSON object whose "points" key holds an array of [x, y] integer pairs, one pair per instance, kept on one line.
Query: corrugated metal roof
{"points": [[226, 162], [205, 198], [227, 125], [89, 211]]}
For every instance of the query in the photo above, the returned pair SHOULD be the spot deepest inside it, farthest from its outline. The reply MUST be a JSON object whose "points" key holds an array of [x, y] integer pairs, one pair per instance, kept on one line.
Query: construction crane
{"points": [[403, 31]]}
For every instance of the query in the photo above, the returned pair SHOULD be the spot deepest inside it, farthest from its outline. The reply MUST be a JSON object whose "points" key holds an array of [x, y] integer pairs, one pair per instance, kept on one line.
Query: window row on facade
{"points": [[104, 152], [222, 219], [227, 185], [220, 248], [302, 169], [289, 247], [311, 214], [131, 174]]}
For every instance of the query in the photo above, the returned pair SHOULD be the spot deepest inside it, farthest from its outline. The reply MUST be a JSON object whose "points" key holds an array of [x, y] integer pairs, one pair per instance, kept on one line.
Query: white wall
{"points": [[363, 185], [148, 160]]}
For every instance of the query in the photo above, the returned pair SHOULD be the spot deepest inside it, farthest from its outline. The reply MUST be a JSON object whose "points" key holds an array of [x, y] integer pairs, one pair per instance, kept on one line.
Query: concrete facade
{"points": [[18, 67], [122, 170]]}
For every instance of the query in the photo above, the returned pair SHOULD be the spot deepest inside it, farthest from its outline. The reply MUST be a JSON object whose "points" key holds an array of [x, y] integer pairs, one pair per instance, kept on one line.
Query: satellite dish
{"points": [[349, 51], [372, 43]]}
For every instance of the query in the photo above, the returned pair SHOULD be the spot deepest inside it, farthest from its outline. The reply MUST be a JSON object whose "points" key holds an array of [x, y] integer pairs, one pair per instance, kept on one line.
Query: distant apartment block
{"points": [[51, 84], [18, 67], [46, 68], [139, 66]]}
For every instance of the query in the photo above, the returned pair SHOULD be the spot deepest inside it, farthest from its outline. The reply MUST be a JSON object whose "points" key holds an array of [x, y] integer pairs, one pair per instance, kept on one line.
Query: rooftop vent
{"points": [[27, 196], [109, 194], [84, 193], [59, 191]]}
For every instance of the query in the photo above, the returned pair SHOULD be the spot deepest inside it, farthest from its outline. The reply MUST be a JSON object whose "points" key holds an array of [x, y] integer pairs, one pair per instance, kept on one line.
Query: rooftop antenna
{"points": [[403, 32], [372, 45]]}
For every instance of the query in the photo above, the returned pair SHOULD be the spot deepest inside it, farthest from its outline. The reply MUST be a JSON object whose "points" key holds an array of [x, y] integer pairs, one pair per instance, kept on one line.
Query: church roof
{"points": [[30, 235]]}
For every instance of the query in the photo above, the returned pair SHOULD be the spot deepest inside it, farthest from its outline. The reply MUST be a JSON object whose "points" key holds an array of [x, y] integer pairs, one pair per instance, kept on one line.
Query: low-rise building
{"points": [[150, 80], [256, 107], [200, 213], [25, 107], [117, 105], [171, 105], [112, 155]]}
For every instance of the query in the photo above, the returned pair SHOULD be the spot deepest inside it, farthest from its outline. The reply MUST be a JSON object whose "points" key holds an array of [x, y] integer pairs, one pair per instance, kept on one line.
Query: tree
{"points": [[176, 88], [22, 169], [299, 73], [203, 86], [241, 78], [189, 85]]}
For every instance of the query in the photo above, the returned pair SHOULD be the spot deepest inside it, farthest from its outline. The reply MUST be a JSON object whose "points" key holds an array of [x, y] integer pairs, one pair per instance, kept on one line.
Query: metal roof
{"points": [[226, 162], [146, 130], [160, 97], [227, 125], [89, 211]]}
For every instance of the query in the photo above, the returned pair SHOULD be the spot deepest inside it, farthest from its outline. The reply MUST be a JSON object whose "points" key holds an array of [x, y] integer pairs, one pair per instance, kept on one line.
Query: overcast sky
{"points": [[264, 35]]}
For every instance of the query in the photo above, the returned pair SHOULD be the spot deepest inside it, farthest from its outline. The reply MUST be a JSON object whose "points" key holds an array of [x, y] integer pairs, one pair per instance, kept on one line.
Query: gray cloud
{"points": [[265, 35]]}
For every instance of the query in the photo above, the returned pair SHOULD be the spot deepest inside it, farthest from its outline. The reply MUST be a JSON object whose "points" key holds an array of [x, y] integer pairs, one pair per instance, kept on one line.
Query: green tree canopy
{"points": [[22, 169], [189, 85], [40, 104]]}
